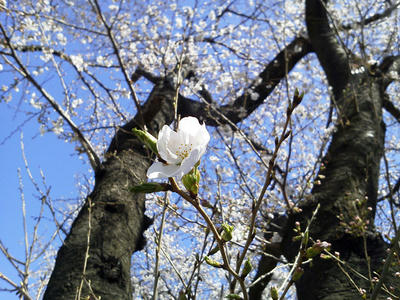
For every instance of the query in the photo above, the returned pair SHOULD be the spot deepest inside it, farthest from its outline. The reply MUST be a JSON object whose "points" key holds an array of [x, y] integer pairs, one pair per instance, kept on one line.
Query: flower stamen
{"points": [[184, 150]]}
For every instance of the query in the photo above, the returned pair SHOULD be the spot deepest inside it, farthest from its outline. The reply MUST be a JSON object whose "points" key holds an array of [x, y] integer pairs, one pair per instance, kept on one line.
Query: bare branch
{"points": [[261, 87], [93, 158], [374, 18]]}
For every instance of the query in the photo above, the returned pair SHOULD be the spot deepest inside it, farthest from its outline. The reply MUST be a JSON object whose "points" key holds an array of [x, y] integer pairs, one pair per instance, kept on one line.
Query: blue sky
{"points": [[46, 153]]}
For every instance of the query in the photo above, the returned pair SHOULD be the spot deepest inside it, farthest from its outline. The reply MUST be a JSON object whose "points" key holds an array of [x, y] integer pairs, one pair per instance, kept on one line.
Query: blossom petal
{"points": [[160, 170], [202, 139], [195, 133], [188, 124], [165, 137]]}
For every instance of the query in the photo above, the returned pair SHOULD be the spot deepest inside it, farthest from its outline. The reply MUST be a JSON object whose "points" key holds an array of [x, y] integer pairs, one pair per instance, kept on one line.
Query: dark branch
{"points": [[393, 110], [390, 68], [331, 54], [376, 17], [261, 87]]}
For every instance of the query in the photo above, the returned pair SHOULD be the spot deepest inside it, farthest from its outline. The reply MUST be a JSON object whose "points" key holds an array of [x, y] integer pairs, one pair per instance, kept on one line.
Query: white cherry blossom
{"points": [[180, 149]]}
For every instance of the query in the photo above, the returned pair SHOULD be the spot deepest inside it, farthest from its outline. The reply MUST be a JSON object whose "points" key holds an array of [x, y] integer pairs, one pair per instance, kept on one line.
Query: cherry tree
{"points": [[297, 192]]}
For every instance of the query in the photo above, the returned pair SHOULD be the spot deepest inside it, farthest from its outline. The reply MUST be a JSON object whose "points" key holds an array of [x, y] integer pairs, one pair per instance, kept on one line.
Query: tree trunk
{"points": [[116, 215], [347, 193], [347, 184]]}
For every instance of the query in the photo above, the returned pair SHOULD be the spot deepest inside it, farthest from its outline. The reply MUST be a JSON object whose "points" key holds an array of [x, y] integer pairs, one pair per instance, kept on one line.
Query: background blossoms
{"points": [[180, 150]]}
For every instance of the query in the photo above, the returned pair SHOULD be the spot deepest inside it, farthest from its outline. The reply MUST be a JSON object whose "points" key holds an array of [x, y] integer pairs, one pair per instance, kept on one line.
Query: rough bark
{"points": [[117, 215], [351, 172], [349, 176]]}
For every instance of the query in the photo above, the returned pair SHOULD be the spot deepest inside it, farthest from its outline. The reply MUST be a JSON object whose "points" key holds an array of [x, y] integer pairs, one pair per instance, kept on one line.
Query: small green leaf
{"points": [[274, 293], [147, 139], [213, 250], [233, 296], [304, 241]]}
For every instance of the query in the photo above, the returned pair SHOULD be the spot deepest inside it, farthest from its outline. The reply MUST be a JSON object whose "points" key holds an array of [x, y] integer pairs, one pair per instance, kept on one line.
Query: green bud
{"points": [[147, 139], [246, 269], [274, 293], [317, 248], [227, 232], [297, 98], [297, 274], [304, 241], [212, 262], [191, 181], [312, 251], [150, 187]]}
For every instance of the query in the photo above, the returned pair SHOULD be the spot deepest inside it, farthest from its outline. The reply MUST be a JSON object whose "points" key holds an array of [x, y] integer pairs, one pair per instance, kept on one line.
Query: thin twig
{"points": [[158, 249], [299, 258], [93, 157], [388, 261], [120, 62], [78, 294]]}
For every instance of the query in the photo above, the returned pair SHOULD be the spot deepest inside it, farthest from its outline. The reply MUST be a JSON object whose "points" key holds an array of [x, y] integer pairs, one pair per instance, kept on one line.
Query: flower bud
{"points": [[246, 269], [227, 232], [147, 139], [212, 262], [191, 181], [297, 274], [213, 250], [297, 98]]}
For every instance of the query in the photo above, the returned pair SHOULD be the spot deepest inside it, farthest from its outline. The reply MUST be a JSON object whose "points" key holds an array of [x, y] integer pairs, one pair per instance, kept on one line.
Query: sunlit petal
{"points": [[160, 170]]}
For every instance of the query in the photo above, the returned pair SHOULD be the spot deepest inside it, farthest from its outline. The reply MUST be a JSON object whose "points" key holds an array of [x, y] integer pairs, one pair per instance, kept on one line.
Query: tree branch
{"points": [[93, 157], [376, 17], [260, 88], [331, 55]]}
